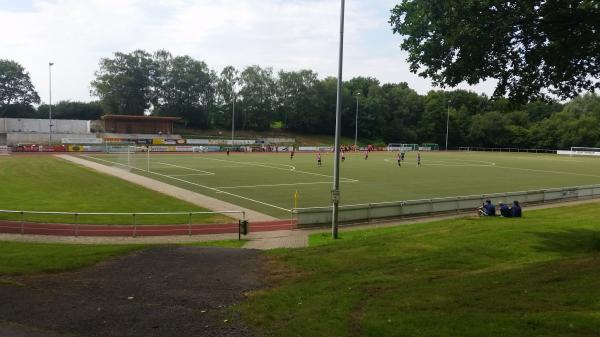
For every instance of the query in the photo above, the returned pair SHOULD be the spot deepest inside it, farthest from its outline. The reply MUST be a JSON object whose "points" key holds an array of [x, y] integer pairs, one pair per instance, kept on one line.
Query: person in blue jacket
{"points": [[504, 210], [487, 209], [515, 209]]}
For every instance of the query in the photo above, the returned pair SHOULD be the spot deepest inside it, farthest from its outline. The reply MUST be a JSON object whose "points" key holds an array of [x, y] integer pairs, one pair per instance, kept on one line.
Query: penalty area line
{"points": [[195, 184], [275, 185]]}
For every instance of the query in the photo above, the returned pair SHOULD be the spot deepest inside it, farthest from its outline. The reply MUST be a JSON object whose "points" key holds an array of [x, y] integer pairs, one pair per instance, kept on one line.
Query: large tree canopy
{"points": [[16, 90], [533, 48]]}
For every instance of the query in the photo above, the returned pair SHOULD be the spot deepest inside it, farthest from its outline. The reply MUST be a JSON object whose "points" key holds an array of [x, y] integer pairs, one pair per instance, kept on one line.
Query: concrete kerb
{"points": [[173, 191]]}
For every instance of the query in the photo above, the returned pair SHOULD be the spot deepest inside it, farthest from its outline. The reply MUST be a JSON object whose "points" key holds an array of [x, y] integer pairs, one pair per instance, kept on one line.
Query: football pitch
{"points": [[267, 182]]}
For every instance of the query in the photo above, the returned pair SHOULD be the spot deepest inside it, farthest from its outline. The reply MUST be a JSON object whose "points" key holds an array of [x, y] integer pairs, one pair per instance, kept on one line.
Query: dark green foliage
{"points": [[299, 101], [532, 48], [72, 110], [17, 93]]}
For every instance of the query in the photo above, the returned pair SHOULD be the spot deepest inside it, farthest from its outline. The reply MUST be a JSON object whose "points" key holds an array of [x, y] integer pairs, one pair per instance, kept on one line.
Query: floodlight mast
{"points": [[356, 124], [335, 193], [447, 123], [50, 64]]}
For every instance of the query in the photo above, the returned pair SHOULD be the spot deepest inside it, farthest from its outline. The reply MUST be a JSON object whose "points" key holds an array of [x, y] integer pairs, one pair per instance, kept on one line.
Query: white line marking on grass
{"points": [[455, 163], [275, 185], [548, 171], [293, 168], [187, 168], [189, 175], [192, 183]]}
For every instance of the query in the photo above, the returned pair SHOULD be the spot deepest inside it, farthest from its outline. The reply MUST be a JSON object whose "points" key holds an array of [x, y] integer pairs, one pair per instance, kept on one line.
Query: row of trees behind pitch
{"points": [[138, 82]]}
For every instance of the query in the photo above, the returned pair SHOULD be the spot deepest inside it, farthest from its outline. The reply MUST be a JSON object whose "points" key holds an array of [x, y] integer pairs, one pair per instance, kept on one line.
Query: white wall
{"points": [[68, 126]]}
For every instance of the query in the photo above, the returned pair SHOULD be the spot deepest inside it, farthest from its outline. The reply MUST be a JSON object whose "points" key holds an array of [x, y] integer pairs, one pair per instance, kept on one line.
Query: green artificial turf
{"points": [[535, 276], [45, 183], [267, 182]]}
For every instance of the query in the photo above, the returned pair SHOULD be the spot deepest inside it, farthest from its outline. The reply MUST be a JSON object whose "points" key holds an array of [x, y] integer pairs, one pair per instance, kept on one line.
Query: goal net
{"points": [[429, 147], [130, 157], [584, 151]]}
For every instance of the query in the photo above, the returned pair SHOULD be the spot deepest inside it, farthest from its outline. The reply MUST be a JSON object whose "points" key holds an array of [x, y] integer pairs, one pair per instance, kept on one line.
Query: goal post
{"points": [[584, 151], [130, 156]]}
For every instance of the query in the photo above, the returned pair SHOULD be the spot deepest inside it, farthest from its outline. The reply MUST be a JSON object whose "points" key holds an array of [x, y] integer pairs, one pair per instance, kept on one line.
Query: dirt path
{"points": [[173, 191], [168, 291]]}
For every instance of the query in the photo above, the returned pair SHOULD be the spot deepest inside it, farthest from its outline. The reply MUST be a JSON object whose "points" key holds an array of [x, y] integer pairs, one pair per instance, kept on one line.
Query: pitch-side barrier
{"points": [[20, 222], [437, 206]]}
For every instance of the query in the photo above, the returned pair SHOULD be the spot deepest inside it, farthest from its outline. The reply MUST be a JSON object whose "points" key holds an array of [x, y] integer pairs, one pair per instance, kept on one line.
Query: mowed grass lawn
{"points": [[267, 182], [19, 258], [46, 183], [535, 276]]}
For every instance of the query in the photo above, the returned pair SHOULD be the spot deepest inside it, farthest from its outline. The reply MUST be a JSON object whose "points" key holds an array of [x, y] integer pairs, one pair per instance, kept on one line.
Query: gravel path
{"points": [[174, 191], [167, 291]]}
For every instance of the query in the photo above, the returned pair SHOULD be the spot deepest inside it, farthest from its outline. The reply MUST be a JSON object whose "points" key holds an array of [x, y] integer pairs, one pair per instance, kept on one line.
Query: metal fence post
{"points": [[76, 225], [190, 225], [22, 223], [134, 225]]}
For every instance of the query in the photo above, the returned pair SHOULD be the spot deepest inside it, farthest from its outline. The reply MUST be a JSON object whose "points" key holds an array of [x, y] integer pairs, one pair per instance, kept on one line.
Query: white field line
{"points": [[192, 183], [293, 168], [187, 168], [548, 171], [275, 185], [190, 175], [456, 163]]}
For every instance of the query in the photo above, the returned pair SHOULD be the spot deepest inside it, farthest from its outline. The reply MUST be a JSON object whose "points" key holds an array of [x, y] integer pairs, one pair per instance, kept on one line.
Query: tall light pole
{"points": [[50, 64], [356, 124], [447, 123], [335, 193], [232, 118]]}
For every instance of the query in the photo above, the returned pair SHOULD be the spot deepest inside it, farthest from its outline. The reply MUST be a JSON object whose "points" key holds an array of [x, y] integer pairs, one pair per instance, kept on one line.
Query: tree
{"points": [[258, 95], [17, 93], [124, 83], [183, 88], [73, 110], [294, 90], [532, 48], [226, 92]]}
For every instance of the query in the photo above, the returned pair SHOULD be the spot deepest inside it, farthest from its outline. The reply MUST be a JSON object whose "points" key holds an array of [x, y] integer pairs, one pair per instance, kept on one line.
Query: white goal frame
{"points": [[584, 151]]}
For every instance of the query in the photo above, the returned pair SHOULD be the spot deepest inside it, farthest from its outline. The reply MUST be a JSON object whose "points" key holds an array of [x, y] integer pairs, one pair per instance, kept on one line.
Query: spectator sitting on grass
{"points": [[504, 210], [516, 209], [487, 209]]}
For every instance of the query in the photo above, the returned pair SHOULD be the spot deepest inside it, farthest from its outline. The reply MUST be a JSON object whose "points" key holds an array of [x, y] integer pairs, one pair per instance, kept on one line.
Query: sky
{"points": [[282, 34]]}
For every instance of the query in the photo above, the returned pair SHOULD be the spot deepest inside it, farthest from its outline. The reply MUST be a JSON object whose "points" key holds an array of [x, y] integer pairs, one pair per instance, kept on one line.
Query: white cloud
{"points": [[284, 34]]}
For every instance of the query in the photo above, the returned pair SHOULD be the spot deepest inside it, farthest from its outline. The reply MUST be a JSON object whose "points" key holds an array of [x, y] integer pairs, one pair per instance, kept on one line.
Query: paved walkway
{"points": [[170, 190]]}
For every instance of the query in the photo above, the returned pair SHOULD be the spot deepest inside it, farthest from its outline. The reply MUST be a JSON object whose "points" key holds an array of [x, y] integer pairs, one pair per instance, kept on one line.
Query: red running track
{"points": [[17, 227]]}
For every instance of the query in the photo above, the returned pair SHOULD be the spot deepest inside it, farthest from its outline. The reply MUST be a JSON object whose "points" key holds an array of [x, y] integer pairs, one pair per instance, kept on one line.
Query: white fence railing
{"points": [[76, 217], [398, 209]]}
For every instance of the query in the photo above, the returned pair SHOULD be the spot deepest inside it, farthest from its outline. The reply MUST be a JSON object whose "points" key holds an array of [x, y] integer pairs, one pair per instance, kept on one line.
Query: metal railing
{"points": [[459, 204], [21, 219]]}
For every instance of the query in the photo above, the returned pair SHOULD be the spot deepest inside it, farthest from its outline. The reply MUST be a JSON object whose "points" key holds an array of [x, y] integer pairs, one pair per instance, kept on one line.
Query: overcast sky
{"points": [[283, 34]]}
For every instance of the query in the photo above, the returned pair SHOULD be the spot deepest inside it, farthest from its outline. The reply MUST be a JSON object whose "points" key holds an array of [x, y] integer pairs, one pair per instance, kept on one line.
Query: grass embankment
{"points": [[535, 276], [45, 183], [18, 258]]}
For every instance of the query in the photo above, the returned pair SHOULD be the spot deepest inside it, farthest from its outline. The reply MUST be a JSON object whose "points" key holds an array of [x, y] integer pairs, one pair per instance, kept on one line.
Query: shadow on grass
{"points": [[570, 241]]}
